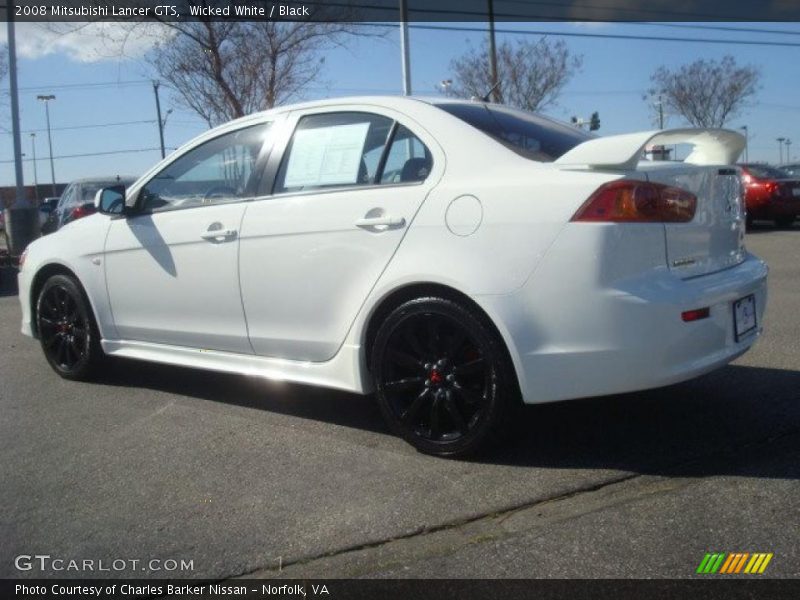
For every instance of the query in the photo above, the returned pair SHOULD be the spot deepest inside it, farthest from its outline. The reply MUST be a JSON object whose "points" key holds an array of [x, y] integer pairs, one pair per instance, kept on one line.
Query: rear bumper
{"points": [[778, 207], [590, 340]]}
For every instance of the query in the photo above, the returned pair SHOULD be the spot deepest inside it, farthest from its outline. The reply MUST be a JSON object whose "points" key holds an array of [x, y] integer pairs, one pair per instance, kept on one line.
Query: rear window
{"points": [[526, 134], [765, 172]]}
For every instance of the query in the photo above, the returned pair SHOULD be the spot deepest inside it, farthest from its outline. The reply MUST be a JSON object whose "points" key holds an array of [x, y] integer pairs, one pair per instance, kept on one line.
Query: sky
{"points": [[105, 103]]}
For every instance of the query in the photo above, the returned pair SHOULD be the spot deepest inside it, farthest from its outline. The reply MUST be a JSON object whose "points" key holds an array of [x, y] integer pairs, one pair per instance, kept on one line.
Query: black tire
{"points": [[67, 330], [784, 222], [442, 377]]}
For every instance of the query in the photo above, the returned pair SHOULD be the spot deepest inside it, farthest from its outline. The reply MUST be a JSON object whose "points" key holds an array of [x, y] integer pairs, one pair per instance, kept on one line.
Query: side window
{"points": [[333, 149], [216, 172], [408, 159]]}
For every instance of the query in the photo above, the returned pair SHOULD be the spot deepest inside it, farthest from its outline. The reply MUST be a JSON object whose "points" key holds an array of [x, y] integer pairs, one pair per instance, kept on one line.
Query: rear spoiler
{"points": [[623, 152]]}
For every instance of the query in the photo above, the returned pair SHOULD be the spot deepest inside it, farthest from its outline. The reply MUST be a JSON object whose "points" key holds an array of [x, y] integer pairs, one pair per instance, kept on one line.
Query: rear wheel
{"points": [[442, 377], [784, 222], [67, 331]]}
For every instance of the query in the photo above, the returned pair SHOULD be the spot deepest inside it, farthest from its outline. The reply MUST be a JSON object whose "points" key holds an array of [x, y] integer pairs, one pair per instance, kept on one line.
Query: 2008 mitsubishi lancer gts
{"points": [[456, 258]]}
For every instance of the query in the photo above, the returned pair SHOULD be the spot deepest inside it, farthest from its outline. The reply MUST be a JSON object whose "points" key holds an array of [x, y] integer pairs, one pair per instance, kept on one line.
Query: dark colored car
{"points": [[792, 170], [46, 207], [771, 194], [78, 200]]}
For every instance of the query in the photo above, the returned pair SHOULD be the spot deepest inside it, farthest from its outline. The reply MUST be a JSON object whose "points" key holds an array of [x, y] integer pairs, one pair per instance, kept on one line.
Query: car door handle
{"points": [[385, 221], [219, 234]]}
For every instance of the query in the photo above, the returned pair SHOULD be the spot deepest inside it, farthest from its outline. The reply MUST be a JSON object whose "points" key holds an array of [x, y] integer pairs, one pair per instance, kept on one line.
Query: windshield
{"points": [[529, 135], [765, 172]]}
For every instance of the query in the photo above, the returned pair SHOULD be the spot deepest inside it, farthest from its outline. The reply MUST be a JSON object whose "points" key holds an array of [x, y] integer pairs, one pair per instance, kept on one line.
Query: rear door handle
{"points": [[386, 221], [219, 235]]}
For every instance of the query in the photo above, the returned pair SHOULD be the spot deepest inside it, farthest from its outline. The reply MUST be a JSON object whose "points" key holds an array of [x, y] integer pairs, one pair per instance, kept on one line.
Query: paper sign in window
{"points": [[326, 156]]}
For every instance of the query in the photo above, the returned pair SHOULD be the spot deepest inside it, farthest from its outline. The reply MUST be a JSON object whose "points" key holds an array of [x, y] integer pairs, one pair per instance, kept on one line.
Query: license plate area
{"points": [[744, 316]]}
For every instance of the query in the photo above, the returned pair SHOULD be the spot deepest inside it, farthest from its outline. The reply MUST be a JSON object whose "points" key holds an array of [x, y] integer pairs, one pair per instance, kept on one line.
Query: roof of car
{"points": [[385, 100]]}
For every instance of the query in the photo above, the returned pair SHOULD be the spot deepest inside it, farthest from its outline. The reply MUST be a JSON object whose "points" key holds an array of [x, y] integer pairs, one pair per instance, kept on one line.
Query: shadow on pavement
{"points": [[759, 227], [669, 431]]}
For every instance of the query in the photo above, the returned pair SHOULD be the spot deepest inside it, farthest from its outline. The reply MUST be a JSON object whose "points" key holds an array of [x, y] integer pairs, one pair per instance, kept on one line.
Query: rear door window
{"points": [[408, 160]]}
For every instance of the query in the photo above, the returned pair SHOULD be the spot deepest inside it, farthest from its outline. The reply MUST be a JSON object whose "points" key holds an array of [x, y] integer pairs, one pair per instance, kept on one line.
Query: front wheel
{"points": [[67, 331], [442, 377]]}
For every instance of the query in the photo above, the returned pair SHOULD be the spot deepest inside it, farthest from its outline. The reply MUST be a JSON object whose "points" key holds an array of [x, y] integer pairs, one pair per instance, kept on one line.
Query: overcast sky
{"points": [[97, 90]]}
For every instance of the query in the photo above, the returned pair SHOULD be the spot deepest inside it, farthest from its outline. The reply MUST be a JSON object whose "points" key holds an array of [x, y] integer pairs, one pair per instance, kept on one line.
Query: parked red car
{"points": [[771, 194]]}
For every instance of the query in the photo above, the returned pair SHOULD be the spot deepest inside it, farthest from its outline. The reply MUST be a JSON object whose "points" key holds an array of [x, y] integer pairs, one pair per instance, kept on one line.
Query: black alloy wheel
{"points": [[442, 377], [66, 327]]}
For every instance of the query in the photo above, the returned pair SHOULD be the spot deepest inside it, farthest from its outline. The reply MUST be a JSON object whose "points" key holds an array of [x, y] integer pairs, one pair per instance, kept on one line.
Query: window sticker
{"points": [[326, 156]]}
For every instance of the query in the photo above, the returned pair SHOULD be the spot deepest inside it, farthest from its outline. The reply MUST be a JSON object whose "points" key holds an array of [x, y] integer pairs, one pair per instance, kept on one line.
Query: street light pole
{"points": [[35, 175], [780, 150], [46, 99], [20, 201], [21, 220], [158, 116], [493, 55], [788, 143], [746, 140], [404, 51]]}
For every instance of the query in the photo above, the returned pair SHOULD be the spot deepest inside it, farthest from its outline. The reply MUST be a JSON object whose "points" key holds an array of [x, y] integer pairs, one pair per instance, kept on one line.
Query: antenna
{"points": [[485, 97]]}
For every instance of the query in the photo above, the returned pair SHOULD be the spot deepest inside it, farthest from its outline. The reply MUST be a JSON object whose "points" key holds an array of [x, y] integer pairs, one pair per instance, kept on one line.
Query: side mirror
{"points": [[111, 200]]}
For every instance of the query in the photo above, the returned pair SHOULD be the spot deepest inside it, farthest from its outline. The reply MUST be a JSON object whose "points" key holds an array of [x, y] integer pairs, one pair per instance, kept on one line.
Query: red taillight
{"points": [[771, 187], [631, 201], [81, 211], [696, 314]]}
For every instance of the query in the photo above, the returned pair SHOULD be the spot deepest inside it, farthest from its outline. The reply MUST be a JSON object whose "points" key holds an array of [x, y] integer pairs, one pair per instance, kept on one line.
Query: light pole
{"points": [[788, 143], [21, 220], [35, 175], [780, 150], [746, 140], [496, 96], [46, 99], [660, 112], [158, 116], [404, 51]]}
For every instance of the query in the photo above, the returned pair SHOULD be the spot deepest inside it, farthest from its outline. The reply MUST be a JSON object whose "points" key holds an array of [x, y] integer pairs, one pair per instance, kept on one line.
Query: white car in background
{"points": [[454, 257]]}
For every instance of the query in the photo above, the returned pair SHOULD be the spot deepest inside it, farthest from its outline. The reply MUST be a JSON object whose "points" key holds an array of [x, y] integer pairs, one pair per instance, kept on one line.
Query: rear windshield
{"points": [[526, 134], [765, 171]]}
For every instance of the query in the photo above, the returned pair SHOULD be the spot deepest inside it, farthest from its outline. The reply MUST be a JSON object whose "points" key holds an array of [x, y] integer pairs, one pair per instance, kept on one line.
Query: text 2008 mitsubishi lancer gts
{"points": [[456, 258]]}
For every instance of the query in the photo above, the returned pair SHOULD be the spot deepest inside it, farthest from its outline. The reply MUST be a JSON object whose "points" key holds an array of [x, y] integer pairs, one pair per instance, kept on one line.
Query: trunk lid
{"points": [[714, 239]]}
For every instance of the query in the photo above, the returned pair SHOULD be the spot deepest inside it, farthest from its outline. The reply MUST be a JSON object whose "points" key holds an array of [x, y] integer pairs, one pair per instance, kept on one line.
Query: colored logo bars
{"points": [[734, 562]]}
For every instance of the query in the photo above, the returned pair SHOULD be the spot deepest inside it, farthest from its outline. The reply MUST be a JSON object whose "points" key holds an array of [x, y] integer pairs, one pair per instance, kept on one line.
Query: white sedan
{"points": [[455, 258]]}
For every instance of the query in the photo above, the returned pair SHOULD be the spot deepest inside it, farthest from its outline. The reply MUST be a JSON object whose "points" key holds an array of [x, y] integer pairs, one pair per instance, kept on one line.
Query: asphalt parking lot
{"points": [[250, 478]]}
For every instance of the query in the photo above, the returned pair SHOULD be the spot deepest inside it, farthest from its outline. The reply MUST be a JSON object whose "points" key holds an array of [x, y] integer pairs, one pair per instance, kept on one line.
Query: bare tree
{"points": [[225, 69], [707, 93], [531, 74]]}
